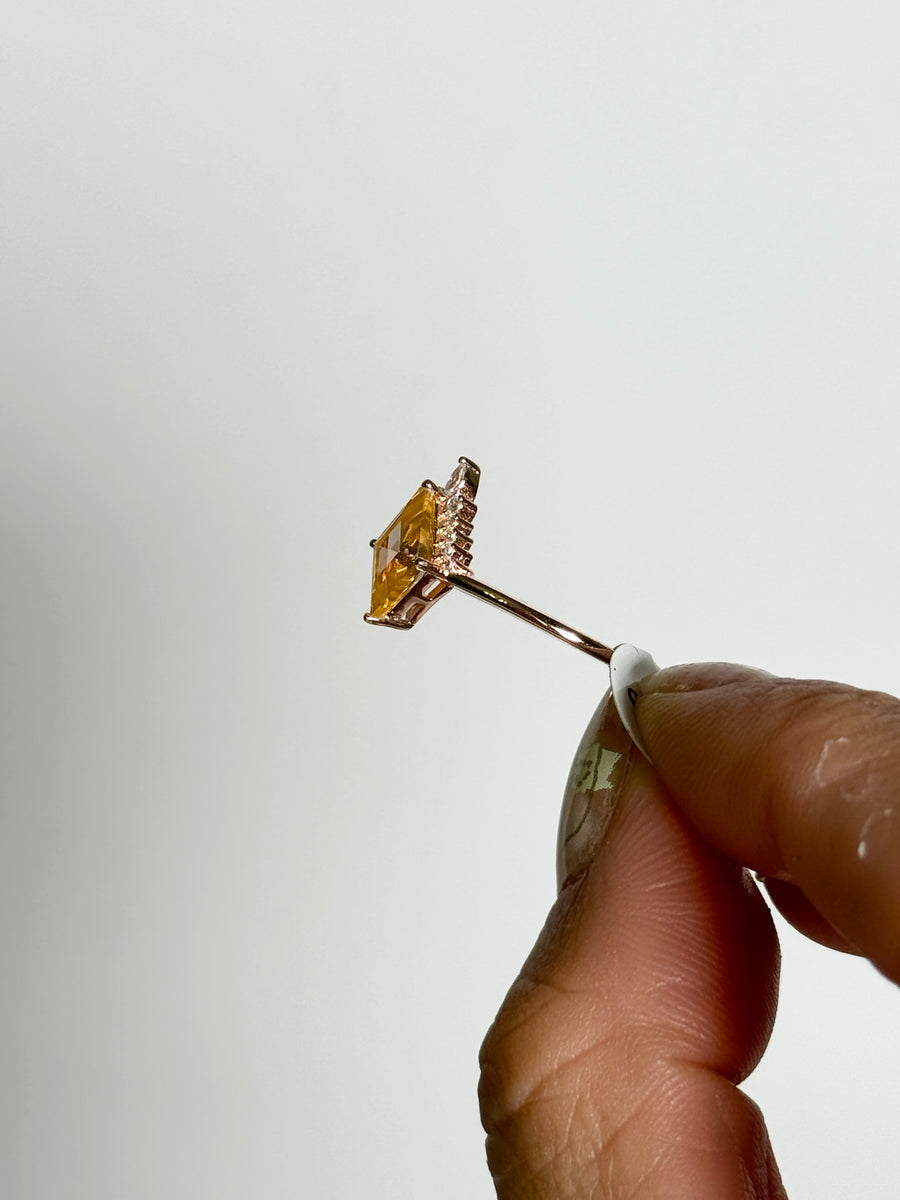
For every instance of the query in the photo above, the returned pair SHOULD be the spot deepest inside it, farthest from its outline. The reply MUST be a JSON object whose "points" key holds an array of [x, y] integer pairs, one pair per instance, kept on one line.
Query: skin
{"points": [[612, 1068]]}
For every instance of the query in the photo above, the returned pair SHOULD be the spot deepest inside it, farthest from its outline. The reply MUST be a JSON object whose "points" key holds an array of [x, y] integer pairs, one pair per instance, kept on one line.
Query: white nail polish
{"points": [[627, 667]]}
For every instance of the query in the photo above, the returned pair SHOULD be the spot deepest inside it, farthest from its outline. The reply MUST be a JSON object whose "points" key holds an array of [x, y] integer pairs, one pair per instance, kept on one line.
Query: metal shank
{"points": [[490, 595]]}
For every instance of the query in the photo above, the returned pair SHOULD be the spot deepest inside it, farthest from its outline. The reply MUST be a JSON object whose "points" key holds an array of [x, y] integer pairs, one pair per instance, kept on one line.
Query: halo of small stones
{"points": [[455, 514]]}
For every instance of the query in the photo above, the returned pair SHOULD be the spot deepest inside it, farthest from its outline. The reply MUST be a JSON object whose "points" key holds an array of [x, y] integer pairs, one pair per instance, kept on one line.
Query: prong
{"points": [[430, 484], [473, 472], [373, 543], [370, 620]]}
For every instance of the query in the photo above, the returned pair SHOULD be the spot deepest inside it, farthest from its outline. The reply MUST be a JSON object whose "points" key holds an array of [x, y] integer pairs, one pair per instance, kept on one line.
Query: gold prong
{"points": [[473, 472], [373, 543], [431, 485], [370, 620]]}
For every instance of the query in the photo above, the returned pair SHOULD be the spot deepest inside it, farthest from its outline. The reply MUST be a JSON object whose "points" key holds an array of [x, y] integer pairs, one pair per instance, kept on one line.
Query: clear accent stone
{"points": [[456, 509], [457, 481]]}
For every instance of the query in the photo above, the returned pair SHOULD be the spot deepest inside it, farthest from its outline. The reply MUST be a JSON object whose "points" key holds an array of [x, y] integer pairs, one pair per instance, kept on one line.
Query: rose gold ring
{"points": [[426, 550]]}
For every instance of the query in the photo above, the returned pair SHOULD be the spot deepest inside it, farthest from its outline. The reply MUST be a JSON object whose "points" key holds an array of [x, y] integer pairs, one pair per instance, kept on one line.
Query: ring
{"points": [[426, 550]]}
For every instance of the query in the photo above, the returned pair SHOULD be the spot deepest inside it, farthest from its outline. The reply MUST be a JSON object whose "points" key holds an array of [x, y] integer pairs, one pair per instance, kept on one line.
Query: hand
{"points": [[612, 1067]]}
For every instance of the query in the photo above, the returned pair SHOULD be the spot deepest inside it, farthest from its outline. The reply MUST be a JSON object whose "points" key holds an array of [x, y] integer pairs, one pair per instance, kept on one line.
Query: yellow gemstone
{"points": [[412, 532]]}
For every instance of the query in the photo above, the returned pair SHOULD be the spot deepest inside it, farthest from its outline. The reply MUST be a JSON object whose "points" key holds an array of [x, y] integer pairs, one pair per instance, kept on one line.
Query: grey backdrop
{"points": [[266, 872]]}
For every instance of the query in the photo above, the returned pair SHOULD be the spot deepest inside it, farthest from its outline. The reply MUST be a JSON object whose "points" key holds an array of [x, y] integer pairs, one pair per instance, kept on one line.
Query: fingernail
{"points": [[627, 667], [594, 785]]}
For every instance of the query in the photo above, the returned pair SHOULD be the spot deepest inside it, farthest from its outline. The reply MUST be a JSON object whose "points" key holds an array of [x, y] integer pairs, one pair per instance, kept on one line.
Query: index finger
{"points": [[789, 777]]}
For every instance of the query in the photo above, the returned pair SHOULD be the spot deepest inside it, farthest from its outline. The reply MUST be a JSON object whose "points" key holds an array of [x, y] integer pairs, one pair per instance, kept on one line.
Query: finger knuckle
{"points": [[541, 1106]]}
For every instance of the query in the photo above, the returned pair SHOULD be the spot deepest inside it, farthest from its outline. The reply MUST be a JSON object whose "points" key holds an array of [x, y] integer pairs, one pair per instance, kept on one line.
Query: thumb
{"points": [[611, 1068], [798, 779]]}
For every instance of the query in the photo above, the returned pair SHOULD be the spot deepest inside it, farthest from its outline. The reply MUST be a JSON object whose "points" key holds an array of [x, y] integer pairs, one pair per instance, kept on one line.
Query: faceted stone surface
{"points": [[463, 483], [393, 577]]}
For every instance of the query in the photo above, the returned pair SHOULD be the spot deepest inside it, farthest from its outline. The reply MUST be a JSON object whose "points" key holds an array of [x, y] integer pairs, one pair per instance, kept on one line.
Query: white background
{"points": [[266, 872]]}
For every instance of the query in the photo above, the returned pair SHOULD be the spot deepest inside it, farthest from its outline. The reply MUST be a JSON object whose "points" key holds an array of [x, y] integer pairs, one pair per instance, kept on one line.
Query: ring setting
{"points": [[426, 551], [427, 544]]}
